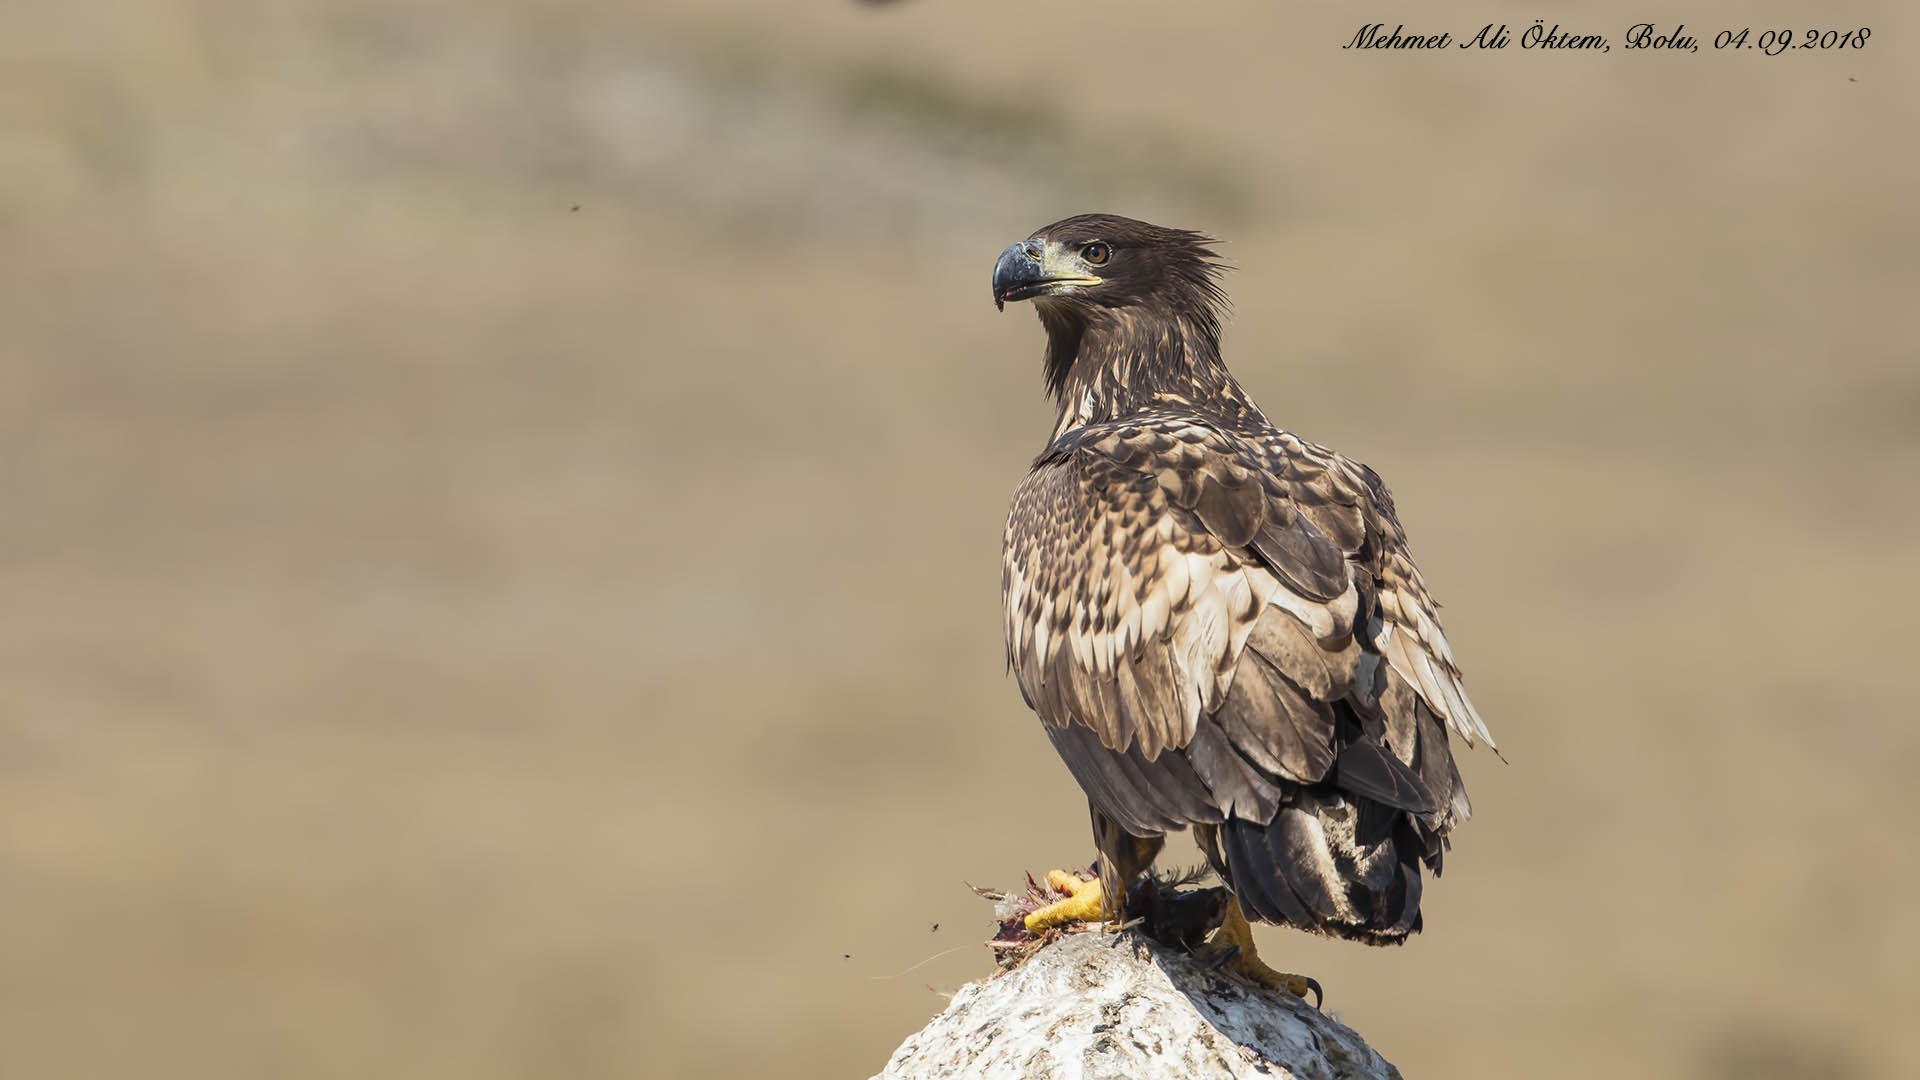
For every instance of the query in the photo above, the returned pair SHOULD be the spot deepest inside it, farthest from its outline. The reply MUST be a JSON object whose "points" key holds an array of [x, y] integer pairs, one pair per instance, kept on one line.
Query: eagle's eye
{"points": [[1096, 253]]}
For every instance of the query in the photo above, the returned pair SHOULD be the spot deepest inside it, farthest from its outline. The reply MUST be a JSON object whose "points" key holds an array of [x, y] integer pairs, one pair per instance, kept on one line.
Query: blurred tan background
{"points": [[502, 509]]}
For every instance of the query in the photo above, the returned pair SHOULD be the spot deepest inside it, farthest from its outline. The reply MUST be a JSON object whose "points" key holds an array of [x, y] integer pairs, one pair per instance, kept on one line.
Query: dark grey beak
{"points": [[1017, 275]]}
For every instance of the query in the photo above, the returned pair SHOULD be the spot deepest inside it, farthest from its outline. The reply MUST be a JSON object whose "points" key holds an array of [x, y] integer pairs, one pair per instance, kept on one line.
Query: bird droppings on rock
{"points": [[1124, 1005]]}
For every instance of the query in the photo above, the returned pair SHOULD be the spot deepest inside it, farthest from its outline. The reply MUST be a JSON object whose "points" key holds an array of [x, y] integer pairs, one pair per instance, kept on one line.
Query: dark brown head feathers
{"points": [[1131, 310], [1171, 272]]}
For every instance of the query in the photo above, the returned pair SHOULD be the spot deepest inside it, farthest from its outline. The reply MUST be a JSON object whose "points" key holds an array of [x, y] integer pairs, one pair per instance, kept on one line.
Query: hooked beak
{"points": [[1022, 274]]}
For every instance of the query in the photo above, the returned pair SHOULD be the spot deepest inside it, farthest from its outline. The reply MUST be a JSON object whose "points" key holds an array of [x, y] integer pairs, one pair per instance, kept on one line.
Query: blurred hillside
{"points": [[503, 510]]}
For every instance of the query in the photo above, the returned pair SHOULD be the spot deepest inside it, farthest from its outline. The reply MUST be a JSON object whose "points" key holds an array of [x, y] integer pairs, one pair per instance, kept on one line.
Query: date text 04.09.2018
{"points": [[1639, 36]]}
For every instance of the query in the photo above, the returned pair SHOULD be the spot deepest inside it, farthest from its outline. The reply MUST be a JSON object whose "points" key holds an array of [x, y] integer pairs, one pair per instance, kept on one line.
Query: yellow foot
{"points": [[1084, 903], [1234, 944]]}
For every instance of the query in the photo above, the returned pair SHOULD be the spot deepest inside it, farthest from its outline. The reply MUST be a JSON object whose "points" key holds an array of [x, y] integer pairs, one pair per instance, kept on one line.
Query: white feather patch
{"points": [[1319, 618]]}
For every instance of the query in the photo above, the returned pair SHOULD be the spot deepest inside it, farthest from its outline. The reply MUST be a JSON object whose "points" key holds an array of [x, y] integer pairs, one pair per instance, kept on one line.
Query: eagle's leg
{"points": [[1084, 903], [1234, 940], [1123, 857]]}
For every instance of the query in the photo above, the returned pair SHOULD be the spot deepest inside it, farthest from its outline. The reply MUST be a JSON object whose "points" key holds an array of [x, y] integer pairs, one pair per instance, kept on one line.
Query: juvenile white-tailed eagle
{"points": [[1218, 621]]}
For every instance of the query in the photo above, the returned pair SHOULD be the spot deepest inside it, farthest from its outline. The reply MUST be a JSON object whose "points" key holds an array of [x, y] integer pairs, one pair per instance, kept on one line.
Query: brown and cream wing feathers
{"points": [[1171, 586]]}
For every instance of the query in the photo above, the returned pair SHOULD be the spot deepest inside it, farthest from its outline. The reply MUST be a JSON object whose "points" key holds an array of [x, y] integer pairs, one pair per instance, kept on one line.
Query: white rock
{"points": [[1104, 1007]]}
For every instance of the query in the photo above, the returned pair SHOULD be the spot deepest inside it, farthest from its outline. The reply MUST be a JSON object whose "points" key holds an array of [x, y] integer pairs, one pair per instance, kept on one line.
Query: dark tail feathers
{"points": [[1329, 864]]}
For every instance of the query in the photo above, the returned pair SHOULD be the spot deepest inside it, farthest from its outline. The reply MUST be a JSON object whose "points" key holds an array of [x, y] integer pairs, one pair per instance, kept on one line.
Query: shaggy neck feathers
{"points": [[1111, 363]]}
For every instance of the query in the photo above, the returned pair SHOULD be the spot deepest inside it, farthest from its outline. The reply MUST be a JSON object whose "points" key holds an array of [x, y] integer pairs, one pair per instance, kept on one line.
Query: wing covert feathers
{"points": [[1223, 628]]}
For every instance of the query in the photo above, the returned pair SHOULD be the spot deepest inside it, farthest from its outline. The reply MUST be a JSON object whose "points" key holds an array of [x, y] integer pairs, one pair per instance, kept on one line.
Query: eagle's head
{"points": [[1093, 262]]}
